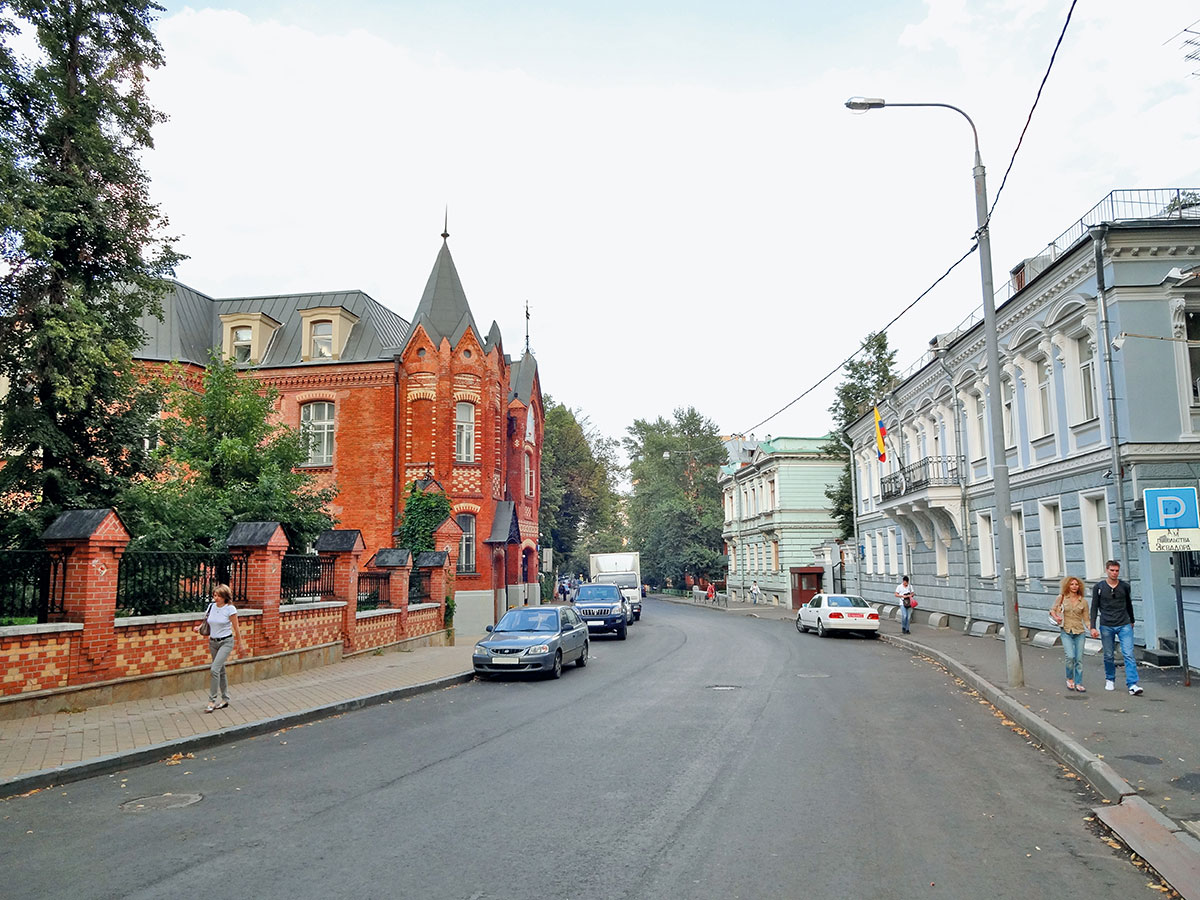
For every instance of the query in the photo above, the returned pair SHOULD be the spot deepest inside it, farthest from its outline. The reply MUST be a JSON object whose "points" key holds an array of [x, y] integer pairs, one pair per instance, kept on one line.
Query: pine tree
{"points": [[83, 255]]}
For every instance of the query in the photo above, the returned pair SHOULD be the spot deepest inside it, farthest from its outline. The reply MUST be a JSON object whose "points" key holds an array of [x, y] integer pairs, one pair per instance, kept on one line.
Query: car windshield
{"points": [[599, 592], [528, 620], [621, 579], [841, 600]]}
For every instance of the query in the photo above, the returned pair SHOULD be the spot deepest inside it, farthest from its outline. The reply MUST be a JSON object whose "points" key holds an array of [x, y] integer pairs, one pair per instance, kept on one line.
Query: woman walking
{"points": [[1070, 611], [223, 635]]}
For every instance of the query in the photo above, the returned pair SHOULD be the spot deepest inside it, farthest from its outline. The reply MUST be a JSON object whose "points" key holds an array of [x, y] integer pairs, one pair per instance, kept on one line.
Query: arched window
{"points": [[322, 340], [316, 420], [466, 548], [464, 432], [529, 475]]}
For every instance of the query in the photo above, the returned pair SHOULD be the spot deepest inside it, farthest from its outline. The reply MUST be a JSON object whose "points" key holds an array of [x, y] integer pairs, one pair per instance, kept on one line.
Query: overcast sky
{"points": [[675, 188]]}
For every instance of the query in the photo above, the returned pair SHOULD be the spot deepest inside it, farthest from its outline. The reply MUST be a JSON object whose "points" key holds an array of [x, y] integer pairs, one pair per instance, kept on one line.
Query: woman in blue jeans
{"points": [[1070, 611]]}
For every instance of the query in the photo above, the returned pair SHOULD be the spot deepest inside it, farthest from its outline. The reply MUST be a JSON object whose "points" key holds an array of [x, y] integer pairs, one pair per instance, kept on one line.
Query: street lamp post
{"points": [[1008, 586]]}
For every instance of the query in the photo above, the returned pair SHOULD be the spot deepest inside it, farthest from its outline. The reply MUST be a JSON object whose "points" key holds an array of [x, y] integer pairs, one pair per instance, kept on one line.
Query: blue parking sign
{"points": [[1171, 508]]}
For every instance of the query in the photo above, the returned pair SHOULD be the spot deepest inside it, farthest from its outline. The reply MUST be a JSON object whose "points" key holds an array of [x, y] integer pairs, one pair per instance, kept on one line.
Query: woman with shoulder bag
{"points": [[221, 625], [1070, 611]]}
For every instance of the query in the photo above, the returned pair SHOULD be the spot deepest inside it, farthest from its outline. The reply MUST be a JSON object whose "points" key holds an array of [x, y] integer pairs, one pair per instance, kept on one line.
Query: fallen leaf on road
{"points": [[176, 758]]}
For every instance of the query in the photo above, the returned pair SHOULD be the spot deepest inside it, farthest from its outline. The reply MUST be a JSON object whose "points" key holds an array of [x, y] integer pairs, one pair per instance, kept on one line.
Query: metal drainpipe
{"points": [[395, 445], [940, 354], [842, 436], [1097, 235], [890, 399]]}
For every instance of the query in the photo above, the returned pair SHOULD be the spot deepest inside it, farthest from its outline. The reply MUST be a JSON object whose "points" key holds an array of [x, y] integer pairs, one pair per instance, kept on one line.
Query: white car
{"points": [[826, 613]]}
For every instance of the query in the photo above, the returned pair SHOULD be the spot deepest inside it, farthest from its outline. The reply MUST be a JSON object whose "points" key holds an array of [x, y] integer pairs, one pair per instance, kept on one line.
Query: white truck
{"points": [[623, 569]]}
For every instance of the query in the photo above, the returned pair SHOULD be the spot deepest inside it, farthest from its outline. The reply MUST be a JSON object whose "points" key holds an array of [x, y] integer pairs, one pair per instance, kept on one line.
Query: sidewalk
{"points": [[1142, 754], [38, 751]]}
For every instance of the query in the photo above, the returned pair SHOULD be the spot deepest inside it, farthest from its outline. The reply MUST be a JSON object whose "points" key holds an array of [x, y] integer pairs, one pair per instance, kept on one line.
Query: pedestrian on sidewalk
{"points": [[711, 594], [223, 635], [1112, 603], [754, 592], [905, 592], [1070, 611]]}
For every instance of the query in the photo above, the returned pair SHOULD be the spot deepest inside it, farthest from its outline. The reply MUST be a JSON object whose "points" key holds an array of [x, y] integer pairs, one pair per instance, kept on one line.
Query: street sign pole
{"points": [[1183, 659]]}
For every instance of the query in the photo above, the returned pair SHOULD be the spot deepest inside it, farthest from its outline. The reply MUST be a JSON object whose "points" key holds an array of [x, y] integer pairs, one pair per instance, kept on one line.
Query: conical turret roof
{"points": [[443, 310]]}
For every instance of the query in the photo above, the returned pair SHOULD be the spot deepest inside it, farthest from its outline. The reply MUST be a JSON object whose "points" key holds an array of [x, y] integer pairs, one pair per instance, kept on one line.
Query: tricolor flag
{"points": [[880, 434]]}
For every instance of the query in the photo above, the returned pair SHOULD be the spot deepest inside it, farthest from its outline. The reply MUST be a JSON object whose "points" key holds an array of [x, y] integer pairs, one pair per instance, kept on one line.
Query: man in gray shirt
{"points": [[1112, 602]]}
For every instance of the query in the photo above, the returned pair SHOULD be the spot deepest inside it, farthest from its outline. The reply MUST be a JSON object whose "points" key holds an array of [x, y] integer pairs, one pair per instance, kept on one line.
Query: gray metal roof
{"points": [[339, 540], [76, 524], [443, 311], [191, 325], [389, 557], [505, 528], [251, 534], [430, 559], [520, 378]]}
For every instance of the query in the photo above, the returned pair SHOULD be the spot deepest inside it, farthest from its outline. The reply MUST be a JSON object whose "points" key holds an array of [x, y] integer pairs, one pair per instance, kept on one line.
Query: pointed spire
{"points": [[443, 310], [446, 224], [526, 326]]}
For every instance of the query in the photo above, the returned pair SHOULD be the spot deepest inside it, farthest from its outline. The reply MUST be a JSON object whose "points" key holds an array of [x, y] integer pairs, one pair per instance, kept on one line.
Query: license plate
{"points": [[505, 660], [855, 615]]}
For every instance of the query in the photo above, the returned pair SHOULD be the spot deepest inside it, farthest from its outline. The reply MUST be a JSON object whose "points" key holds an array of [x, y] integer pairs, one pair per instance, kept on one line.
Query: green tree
{"points": [[579, 511], [869, 375], [675, 514], [423, 512], [225, 459], [83, 253]]}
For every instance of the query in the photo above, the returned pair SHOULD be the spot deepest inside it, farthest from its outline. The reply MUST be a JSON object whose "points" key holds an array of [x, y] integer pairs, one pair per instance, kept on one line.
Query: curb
{"points": [[117, 761]]}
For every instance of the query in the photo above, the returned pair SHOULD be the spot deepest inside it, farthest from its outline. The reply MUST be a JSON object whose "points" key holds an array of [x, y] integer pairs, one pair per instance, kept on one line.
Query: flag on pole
{"points": [[880, 434]]}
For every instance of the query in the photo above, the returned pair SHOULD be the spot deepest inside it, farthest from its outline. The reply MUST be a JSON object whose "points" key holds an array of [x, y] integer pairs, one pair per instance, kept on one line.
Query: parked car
{"points": [[826, 613], [533, 639], [604, 608]]}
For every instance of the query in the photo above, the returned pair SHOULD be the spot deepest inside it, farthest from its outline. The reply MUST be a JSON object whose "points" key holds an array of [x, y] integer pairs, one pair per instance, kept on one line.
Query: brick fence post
{"points": [[447, 538], [264, 543], [94, 540], [346, 546], [397, 564]]}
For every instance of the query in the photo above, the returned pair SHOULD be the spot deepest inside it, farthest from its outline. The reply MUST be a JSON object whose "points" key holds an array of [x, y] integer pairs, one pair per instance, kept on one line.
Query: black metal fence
{"points": [[418, 586], [306, 577], [153, 583], [32, 583], [374, 590]]}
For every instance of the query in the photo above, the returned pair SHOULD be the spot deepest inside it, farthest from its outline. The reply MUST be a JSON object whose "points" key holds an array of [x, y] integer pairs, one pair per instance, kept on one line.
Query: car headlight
{"points": [[481, 650], [540, 648]]}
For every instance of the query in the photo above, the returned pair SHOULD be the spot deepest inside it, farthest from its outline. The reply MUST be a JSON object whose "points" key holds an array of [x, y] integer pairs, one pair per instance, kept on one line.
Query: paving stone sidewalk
{"points": [[65, 746]]}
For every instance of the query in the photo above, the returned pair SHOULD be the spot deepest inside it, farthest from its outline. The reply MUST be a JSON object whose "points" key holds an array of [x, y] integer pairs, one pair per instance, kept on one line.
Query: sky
{"points": [[674, 188]]}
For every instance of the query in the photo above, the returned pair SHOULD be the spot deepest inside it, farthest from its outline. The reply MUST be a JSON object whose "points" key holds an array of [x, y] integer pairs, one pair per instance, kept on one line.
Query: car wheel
{"points": [[872, 634], [556, 672], [622, 632], [821, 630], [800, 627], [582, 661]]}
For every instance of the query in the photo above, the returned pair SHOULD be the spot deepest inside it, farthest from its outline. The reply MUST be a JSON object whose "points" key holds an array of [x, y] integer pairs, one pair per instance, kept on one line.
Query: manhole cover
{"points": [[162, 801], [1144, 760], [724, 687]]}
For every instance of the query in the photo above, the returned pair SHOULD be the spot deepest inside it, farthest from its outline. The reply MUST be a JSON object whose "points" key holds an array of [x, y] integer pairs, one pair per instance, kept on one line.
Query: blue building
{"points": [[1100, 384]]}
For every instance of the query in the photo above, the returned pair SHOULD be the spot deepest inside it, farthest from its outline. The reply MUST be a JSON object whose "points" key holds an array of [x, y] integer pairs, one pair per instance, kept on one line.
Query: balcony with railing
{"points": [[932, 471]]}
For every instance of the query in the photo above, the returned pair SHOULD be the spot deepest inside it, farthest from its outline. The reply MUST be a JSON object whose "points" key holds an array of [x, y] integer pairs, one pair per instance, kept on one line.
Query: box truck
{"points": [[623, 569]]}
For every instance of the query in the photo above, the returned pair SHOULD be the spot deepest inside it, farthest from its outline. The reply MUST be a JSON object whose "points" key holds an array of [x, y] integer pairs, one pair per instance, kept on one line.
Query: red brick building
{"points": [[391, 402]]}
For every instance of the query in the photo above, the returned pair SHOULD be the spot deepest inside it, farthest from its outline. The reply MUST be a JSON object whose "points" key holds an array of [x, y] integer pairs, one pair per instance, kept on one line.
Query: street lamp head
{"points": [[1119, 341], [666, 454], [862, 104]]}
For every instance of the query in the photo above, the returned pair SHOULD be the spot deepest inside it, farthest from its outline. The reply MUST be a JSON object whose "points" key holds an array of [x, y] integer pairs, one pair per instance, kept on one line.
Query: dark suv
{"points": [[603, 608]]}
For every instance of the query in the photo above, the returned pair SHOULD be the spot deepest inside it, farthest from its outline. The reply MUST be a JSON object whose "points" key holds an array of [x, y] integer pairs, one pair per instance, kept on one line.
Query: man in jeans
{"points": [[905, 592], [1112, 601]]}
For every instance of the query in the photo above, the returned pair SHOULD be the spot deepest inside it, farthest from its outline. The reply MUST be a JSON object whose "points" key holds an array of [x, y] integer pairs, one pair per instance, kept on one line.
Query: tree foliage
{"points": [[82, 251], [580, 506], [869, 375], [675, 514], [224, 459], [423, 512]]}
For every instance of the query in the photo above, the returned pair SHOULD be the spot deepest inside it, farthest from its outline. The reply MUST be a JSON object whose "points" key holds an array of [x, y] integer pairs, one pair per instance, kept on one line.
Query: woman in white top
{"points": [[224, 633]]}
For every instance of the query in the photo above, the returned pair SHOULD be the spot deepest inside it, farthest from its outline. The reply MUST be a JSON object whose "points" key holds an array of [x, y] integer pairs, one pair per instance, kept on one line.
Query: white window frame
{"points": [[466, 546], [1007, 407], [987, 544], [1054, 553], [1020, 551], [464, 432], [321, 338], [1097, 533], [320, 431], [241, 340], [1044, 392], [529, 481], [892, 540], [1086, 378]]}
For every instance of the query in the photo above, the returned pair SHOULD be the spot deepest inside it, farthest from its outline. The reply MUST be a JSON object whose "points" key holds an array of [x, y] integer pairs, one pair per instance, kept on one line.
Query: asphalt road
{"points": [[707, 756]]}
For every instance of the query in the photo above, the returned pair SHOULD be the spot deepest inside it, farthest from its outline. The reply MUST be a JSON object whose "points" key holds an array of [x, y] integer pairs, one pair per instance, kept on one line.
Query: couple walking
{"points": [[1112, 604]]}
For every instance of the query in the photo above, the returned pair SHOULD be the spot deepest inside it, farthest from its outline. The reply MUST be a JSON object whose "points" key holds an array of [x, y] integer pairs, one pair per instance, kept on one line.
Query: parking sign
{"points": [[1172, 519]]}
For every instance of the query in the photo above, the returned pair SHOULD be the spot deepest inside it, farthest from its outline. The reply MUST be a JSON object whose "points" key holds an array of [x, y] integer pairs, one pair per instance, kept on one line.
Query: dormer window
{"points": [[324, 332], [322, 340], [243, 342], [245, 337]]}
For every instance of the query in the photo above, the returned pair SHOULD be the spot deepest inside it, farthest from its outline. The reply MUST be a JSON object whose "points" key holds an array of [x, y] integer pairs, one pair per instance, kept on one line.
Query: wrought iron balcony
{"points": [[932, 471]]}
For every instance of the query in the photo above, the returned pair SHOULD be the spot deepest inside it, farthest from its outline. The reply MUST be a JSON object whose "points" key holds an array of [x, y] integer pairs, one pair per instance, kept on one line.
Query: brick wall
{"points": [[36, 661]]}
